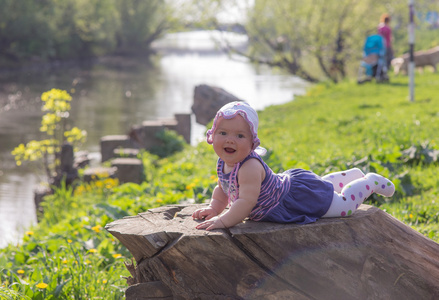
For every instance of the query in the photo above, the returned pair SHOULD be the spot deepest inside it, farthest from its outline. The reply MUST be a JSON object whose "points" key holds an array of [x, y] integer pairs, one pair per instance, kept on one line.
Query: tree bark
{"points": [[369, 255]]}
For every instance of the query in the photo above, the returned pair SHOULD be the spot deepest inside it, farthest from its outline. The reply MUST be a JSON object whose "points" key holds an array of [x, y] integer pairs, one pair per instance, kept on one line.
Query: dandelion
{"points": [[87, 262], [79, 190], [29, 233], [159, 200], [96, 228], [69, 241], [411, 216], [104, 281], [99, 184], [42, 285], [64, 261], [20, 271], [117, 255], [93, 250]]}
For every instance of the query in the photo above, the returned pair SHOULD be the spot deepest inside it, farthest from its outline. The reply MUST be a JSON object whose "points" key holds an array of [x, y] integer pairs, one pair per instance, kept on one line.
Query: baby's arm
{"points": [[217, 205], [250, 177]]}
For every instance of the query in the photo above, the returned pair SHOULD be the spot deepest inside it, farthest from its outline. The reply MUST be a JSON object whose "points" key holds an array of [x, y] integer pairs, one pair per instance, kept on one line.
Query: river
{"points": [[111, 95]]}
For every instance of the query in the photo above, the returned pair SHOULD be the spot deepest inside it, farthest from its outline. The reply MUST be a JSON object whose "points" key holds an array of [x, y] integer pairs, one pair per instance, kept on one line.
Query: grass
{"points": [[68, 255]]}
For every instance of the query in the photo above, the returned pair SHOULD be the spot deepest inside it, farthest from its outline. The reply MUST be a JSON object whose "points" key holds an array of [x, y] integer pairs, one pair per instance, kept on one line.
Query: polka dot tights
{"points": [[352, 187]]}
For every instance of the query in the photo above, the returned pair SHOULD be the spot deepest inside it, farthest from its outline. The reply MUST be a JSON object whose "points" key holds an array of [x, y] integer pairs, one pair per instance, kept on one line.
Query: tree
{"points": [[304, 36], [142, 22], [62, 29], [313, 39]]}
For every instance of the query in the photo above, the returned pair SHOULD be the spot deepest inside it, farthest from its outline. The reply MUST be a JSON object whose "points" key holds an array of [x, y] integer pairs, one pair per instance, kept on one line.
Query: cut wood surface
{"points": [[369, 255]]}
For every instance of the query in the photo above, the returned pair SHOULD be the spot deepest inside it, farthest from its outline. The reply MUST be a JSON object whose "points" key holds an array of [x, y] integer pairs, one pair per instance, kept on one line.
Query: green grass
{"points": [[333, 127]]}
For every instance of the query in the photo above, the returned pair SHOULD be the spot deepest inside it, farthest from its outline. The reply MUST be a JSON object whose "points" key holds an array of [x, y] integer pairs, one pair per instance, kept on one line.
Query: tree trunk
{"points": [[369, 255]]}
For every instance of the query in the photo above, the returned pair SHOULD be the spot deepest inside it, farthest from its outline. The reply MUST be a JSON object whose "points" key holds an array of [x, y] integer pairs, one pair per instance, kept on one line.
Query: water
{"points": [[111, 96]]}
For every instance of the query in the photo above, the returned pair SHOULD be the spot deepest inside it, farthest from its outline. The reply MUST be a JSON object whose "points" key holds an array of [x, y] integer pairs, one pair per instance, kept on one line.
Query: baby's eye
{"points": [[222, 133], [241, 136]]}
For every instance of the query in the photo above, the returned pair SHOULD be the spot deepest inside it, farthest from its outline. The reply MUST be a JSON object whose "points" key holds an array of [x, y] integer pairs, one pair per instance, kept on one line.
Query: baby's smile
{"points": [[229, 150]]}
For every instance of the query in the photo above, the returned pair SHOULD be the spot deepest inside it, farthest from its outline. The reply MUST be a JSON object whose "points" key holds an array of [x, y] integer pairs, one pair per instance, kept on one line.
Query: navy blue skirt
{"points": [[307, 200]]}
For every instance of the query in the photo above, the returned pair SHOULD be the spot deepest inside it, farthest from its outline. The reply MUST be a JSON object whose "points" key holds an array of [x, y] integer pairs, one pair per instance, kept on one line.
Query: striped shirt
{"points": [[273, 187]]}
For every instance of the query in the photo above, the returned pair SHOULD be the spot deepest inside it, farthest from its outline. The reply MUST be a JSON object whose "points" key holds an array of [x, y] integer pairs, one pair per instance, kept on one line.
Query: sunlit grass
{"points": [[69, 255]]}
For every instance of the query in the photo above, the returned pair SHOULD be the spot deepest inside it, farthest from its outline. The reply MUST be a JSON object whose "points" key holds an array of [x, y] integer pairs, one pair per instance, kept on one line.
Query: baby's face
{"points": [[232, 140]]}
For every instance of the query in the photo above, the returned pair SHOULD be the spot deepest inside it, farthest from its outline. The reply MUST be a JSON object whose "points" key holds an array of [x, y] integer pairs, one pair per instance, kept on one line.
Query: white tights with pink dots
{"points": [[352, 187]]}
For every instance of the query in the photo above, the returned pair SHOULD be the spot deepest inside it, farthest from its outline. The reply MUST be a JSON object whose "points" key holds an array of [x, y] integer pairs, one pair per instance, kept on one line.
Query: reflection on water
{"points": [[108, 98]]}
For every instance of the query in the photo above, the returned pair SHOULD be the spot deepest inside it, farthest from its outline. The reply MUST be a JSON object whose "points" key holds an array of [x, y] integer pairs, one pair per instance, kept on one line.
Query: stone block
{"points": [[128, 169], [111, 142], [126, 152], [91, 174], [184, 124]]}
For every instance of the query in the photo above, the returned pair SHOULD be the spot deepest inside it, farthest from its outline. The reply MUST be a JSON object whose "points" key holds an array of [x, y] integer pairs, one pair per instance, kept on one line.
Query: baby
{"points": [[254, 191]]}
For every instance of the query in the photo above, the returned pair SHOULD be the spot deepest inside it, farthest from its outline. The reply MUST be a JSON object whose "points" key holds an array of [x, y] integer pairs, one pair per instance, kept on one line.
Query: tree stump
{"points": [[369, 255]]}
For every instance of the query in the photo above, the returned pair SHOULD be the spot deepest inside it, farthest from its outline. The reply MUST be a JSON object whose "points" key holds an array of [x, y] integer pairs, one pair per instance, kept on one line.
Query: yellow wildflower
{"points": [[96, 228], [104, 281], [117, 255], [69, 241], [190, 186], [99, 184], [92, 250], [42, 285], [29, 232], [20, 271]]}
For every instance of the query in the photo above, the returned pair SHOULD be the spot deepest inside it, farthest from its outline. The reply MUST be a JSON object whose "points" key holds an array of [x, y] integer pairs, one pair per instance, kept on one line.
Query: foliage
{"points": [[52, 29], [319, 39], [332, 128], [142, 22], [171, 142], [54, 123], [68, 256]]}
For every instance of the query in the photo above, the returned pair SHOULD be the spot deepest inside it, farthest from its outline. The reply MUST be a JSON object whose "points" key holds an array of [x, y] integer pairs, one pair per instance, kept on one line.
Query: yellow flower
{"points": [[99, 184], [69, 241], [29, 232], [96, 228], [104, 281], [190, 186], [92, 250], [64, 261], [87, 262], [42, 285], [20, 271], [117, 255]]}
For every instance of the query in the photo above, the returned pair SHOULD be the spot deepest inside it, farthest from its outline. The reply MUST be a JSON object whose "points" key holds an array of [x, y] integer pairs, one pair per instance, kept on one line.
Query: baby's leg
{"points": [[341, 179], [353, 195]]}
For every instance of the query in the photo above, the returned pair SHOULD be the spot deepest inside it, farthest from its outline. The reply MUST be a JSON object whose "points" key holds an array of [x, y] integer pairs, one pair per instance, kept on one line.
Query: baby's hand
{"points": [[213, 223], [204, 213]]}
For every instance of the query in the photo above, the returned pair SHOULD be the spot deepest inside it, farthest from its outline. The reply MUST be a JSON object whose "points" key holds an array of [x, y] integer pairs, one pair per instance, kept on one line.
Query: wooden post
{"points": [[411, 65]]}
